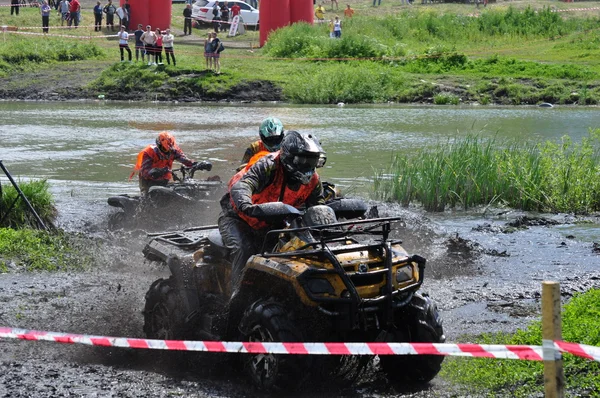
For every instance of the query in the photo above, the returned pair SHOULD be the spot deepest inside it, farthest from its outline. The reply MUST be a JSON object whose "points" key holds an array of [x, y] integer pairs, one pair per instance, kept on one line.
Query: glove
{"points": [[203, 165], [158, 172]]}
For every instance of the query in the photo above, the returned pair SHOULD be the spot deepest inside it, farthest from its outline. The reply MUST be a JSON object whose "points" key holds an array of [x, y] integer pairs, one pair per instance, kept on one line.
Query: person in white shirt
{"points": [[168, 39], [123, 43]]}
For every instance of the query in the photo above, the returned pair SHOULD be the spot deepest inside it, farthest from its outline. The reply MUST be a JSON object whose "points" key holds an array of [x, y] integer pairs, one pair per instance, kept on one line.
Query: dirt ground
{"points": [[485, 279]]}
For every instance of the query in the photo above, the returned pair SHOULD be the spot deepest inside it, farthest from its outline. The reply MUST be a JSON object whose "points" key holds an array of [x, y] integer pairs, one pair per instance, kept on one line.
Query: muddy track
{"points": [[483, 276]]}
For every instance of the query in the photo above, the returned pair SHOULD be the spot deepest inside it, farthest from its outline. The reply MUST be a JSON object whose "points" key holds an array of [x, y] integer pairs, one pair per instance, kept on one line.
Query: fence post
{"points": [[554, 378]]}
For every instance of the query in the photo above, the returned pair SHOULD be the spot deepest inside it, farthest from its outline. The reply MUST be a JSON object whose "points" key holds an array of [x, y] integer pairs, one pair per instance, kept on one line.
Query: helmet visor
{"points": [[306, 163], [166, 143], [273, 141]]}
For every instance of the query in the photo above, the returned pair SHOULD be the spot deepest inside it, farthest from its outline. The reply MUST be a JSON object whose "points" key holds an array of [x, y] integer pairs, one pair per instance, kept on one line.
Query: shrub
{"points": [[37, 193]]}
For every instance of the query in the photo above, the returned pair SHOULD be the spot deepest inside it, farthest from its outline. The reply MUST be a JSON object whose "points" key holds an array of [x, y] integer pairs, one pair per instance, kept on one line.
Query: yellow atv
{"points": [[315, 280]]}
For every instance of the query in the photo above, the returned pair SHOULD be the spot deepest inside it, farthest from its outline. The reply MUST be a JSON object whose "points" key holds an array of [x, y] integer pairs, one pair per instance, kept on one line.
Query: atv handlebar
{"points": [[188, 172]]}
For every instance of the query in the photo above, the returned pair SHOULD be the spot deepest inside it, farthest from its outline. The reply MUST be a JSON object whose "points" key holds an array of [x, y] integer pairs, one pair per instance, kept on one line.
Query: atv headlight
{"points": [[404, 274], [320, 286]]}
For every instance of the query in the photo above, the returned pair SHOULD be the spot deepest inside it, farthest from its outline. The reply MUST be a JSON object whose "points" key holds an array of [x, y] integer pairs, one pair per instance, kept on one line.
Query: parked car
{"points": [[202, 11]]}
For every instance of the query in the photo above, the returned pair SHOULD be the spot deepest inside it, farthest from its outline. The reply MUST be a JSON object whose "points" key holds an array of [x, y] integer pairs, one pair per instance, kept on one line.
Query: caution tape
{"points": [[522, 352]]}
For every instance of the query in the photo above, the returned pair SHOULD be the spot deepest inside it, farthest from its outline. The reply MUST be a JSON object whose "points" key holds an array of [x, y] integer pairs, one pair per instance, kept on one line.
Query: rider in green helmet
{"points": [[271, 133]]}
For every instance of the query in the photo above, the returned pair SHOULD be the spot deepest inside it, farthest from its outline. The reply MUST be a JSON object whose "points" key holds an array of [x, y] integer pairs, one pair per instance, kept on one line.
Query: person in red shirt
{"points": [[74, 9], [235, 10]]}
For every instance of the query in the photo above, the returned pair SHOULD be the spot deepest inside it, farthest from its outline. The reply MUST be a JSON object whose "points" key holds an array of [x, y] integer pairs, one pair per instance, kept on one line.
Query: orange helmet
{"points": [[165, 142]]}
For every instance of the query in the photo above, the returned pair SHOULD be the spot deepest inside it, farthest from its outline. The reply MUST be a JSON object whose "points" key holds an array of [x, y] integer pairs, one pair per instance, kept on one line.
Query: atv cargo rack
{"points": [[324, 235]]}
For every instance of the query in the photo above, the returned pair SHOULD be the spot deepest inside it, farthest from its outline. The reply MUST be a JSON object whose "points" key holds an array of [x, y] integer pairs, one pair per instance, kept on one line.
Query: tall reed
{"points": [[550, 176]]}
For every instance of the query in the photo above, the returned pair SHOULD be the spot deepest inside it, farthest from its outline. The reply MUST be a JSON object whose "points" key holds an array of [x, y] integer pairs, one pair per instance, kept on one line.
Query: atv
{"points": [[164, 203], [315, 280]]}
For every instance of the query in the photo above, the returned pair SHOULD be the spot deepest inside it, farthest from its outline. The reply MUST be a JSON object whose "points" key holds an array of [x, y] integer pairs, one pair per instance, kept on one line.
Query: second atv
{"points": [[315, 280]]}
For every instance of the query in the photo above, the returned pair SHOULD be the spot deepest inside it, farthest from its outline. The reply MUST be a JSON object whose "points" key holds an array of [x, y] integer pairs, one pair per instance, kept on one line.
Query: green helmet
{"points": [[271, 133]]}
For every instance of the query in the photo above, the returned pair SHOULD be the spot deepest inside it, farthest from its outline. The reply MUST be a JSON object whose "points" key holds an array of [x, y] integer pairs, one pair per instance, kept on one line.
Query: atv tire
{"points": [[163, 319], [421, 324], [268, 321], [116, 221]]}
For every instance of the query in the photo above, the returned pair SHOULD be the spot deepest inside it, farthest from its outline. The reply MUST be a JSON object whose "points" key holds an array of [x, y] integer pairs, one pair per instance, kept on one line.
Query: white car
{"points": [[202, 11]]}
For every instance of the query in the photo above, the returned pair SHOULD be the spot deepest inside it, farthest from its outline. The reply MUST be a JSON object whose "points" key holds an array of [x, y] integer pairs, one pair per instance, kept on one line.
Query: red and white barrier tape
{"points": [[524, 352]]}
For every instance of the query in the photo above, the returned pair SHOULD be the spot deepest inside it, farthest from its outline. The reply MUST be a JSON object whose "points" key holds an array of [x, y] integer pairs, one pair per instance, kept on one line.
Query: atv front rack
{"points": [[324, 235]]}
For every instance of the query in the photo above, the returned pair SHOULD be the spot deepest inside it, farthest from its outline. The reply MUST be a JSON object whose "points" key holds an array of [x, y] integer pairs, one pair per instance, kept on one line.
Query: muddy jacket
{"points": [[152, 157], [266, 182]]}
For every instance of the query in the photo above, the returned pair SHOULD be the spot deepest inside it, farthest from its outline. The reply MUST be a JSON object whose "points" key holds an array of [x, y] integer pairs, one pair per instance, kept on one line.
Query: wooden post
{"points": [[554, 378]]}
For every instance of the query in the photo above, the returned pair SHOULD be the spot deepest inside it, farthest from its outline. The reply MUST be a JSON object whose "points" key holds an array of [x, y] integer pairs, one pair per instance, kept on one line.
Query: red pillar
{"points": [[274, 14], [139, 13], [159, 13], [302, 10]]}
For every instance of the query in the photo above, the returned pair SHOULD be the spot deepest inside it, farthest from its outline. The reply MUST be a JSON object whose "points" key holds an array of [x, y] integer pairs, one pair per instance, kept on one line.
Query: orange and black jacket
{"points": [[264, 182], [152, 157]]}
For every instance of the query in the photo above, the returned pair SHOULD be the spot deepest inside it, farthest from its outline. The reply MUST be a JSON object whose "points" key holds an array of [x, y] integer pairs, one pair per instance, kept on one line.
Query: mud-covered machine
{"points": [[316, 280]]}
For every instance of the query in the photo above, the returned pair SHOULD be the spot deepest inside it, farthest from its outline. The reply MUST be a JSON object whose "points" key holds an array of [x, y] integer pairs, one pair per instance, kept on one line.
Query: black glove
{"points": [[158, 172], [203, 165]]}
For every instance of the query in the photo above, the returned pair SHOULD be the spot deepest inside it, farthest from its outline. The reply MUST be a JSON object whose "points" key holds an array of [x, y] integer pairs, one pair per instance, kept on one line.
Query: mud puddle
{"points": [[484, 274]]}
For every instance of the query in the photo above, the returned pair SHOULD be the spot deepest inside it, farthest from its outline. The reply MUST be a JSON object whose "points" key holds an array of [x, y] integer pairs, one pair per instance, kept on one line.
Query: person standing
{"points": [[45, 11], [109, 10], [337, 27], [98, 17], [74, 12], [216, 11], [14, 7], [168, 39], [63, 6], [127, 11], [139, 44], [158, 46], [235, 10], [187, 20], [149, 38], [320, 12], [124, 43], [216, 52], [224, 17], [349, 12], [336, 5], [208, 51], [376, 1]]}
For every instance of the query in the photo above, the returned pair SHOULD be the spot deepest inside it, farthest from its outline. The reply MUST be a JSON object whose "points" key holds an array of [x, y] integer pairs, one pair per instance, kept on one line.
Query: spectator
{"points": [[168, 39], [127, 9], [330, 25], [215, 44], [235, 10], [98, 17], [45, 11], [187, 20], [337, 27], [336, 4], [139, 44], [216, 17], [208, 51], [63, 6], [224, 17], [158, 45], [74, 12], [110, 10], [149, 38], [349, 12], [123, 43], [320, 12], [14, 7], [379, 3]]}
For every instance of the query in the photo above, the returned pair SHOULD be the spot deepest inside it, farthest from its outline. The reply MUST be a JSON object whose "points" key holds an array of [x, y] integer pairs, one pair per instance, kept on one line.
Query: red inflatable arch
{"points": [[275, 14], [156, 13]]}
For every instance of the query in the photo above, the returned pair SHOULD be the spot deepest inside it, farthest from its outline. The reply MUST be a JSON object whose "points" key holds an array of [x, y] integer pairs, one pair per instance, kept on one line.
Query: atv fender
{"points": [[182, 271], [127, 203]]}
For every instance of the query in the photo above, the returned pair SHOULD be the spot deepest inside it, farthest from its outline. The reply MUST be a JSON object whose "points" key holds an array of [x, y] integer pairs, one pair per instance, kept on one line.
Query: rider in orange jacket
{"points": [[155, 162], [287, 176]]}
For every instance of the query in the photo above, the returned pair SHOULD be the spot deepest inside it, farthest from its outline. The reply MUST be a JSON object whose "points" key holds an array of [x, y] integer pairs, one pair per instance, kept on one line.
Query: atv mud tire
{"points": [[421, 324], [267, 321], [116, 221], [163, 319]]}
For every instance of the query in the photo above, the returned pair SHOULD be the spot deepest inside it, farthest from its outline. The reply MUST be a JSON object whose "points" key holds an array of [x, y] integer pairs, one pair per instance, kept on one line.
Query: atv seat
{"points": [[217, 244]]}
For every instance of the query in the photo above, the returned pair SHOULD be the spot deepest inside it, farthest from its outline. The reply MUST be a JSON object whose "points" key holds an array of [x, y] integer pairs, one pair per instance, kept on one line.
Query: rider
{"points": [[286, 176], [156, 160], [271, 133]]}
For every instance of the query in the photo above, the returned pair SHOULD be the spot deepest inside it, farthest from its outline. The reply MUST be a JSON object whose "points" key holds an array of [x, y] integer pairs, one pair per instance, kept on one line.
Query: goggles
{"points": [[273, 141], [166, 143], [306, 163]]}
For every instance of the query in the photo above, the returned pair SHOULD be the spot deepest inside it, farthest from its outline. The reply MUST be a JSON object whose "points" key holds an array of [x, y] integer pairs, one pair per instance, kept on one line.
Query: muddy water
{"points": [[483, 277]]}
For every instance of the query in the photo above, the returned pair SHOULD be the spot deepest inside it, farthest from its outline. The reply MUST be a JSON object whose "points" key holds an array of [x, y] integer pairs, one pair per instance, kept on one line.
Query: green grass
{"points": [[580, 324], [39, 197], [34, 250], [551, 176]]}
